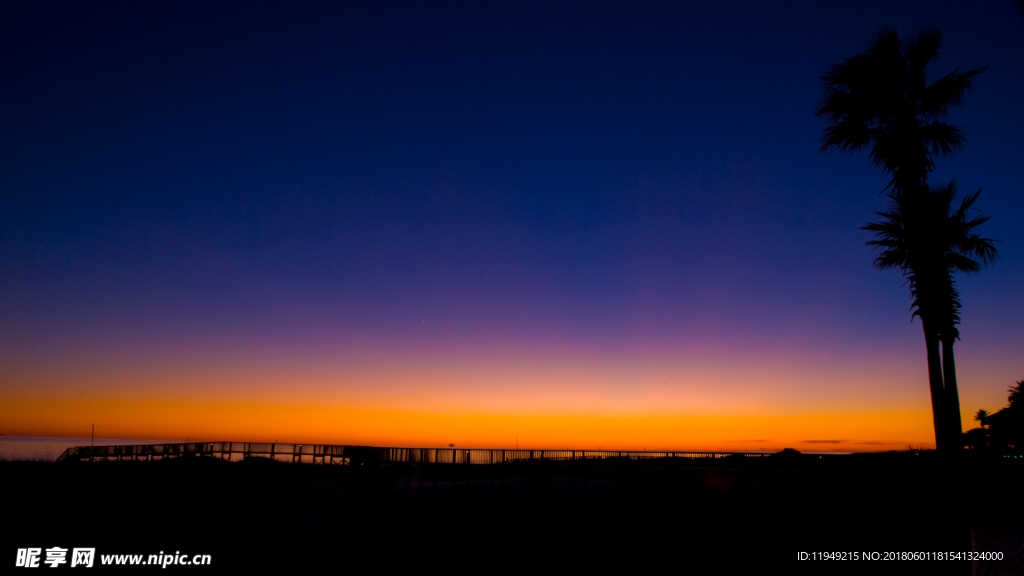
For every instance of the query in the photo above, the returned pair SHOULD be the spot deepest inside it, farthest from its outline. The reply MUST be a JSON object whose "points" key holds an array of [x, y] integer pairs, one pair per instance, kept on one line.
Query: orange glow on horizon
{"points": [[712, 401], [858, 431]]}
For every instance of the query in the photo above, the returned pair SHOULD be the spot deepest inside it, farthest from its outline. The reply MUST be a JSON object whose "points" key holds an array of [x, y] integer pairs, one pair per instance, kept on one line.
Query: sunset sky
{"points": [[567, 224]]}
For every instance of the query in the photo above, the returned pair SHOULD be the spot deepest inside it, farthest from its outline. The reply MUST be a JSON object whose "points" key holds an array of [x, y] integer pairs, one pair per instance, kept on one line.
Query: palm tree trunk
{"points": [[931, 340], [952, 397]]}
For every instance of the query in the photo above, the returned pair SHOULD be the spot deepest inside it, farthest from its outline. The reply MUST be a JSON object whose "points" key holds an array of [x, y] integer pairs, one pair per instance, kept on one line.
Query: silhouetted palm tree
{"points": [[981, 417], [1016, 393], [1002, 430], [880, 99], [929, 241]]}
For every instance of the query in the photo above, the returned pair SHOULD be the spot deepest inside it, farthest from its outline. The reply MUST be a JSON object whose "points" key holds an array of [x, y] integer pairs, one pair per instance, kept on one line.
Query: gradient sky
{"points": [[571, 223]]}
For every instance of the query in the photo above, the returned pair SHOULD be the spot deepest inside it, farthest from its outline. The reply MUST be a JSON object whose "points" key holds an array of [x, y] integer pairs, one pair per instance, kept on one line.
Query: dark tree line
{"points": [[1002, 431]]}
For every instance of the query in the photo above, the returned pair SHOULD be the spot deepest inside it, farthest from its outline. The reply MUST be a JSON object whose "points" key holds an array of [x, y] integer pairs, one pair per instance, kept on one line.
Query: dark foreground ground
{"points": [[745, 518]]}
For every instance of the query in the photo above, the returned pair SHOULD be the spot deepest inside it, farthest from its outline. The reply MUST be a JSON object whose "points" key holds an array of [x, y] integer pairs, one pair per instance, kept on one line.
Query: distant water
{"points": [[50, 447]]}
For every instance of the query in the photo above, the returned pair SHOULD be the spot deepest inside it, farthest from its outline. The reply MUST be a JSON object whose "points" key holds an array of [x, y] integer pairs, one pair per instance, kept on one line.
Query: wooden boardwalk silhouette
{"points": [[359, 455]]}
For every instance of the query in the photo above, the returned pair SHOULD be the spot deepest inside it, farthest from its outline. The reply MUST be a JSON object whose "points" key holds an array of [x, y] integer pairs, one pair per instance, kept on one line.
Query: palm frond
{"points": [[927, 240], [846, 135], [922, 48], [918, 51], [981, 248], [963, 263], [941, 138], [887, 45], [839, 104], [948, 91]]}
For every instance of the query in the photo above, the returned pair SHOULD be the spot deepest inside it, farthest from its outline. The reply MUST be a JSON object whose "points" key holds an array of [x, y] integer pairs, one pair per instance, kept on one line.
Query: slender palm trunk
{"points": [[931, 340], [952, 397]]}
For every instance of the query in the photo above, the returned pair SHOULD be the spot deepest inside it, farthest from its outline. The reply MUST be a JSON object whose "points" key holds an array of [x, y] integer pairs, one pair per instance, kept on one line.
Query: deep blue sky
{"points": [[598, 177]]}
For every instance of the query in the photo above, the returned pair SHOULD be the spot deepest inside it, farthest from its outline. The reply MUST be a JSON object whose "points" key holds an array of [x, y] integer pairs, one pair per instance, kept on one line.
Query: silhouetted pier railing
{"points": [[347, 455]]}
